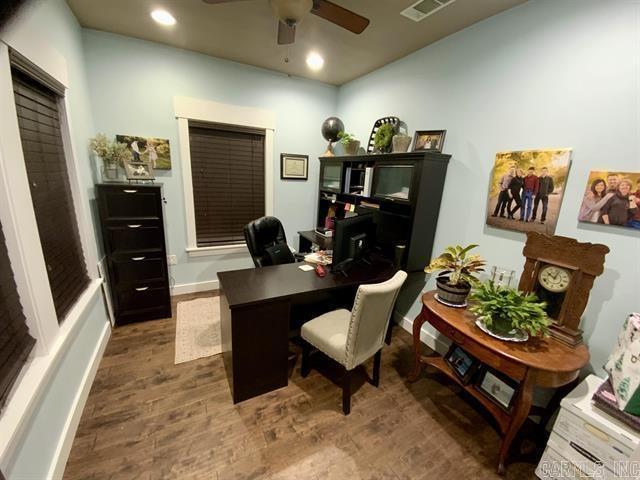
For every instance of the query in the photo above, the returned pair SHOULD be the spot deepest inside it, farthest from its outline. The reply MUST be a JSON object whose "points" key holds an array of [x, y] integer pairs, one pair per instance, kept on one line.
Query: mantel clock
{"points": [[561, 271]]}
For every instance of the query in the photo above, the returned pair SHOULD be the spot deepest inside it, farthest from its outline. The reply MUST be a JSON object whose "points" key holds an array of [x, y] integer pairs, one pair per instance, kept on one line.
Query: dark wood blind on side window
{"points": [[227, 170], [15, 341], [39, 122]]}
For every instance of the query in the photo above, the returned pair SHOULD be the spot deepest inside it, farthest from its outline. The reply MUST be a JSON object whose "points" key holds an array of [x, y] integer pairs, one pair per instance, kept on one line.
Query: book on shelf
{"points": [[347, 180]]}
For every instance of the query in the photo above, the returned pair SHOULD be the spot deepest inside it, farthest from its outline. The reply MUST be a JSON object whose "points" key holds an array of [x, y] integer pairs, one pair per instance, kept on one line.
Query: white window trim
{"points": [[23, 241], [193, 109]]}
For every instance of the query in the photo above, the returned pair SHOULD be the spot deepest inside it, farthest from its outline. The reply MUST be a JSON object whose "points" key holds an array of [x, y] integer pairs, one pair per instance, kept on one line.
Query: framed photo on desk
{"points": [[294, 167]]}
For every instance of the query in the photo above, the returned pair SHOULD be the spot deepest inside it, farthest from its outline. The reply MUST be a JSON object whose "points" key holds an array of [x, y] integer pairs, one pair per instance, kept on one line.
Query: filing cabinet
{"points": [[132, 224]]}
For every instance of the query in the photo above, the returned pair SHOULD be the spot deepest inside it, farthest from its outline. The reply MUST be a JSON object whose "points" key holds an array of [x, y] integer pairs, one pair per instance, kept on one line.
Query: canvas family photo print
{"points": [[156, 151], [612, 198], [526, 188]]}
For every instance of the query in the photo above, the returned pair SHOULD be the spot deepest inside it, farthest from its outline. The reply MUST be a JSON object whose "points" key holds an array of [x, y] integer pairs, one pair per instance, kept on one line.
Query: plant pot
{"points": [[503, 330], [401, 143], [352, 147], [452, 295], [110, 172]]}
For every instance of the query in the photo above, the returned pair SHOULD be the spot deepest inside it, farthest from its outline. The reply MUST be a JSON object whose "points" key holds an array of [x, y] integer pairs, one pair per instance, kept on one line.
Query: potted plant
{"points": [[112, 153], [382, 138], [457, 269], [351, 145], [508, 314]]}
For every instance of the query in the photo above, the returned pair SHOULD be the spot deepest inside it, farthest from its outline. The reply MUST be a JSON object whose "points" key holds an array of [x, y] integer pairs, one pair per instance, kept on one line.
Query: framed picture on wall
{"points": [[526, 189], [156, 151], [612, 198], [294, 167]]}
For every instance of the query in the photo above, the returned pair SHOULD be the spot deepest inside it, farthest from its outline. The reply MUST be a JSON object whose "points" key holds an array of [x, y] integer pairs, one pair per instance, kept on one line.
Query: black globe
{"points": [[331, 127]]}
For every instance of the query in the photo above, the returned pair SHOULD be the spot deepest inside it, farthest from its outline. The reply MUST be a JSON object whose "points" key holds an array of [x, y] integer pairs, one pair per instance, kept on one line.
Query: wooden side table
{"points": [[538, 362]]}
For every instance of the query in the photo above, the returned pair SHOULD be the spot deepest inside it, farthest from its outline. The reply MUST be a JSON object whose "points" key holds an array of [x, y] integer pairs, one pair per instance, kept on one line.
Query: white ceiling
{"points": [[246, 31]]}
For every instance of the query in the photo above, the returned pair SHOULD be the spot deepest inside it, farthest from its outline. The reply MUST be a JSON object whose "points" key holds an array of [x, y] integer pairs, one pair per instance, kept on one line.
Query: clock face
{"points": [[554, 279]]}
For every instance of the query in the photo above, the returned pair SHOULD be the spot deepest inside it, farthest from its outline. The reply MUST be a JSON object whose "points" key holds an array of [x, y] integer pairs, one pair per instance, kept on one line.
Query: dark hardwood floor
{"points": [[150, 419]]}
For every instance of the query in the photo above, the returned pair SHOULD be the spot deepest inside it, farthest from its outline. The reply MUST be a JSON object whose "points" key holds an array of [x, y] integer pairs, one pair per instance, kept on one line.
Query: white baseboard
{"points": [[195, 287], [65, 443], [428, 338]]}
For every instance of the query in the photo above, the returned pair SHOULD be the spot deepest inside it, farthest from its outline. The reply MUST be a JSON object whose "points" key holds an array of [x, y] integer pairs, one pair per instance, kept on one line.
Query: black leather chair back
{"points": [[261, 234]]}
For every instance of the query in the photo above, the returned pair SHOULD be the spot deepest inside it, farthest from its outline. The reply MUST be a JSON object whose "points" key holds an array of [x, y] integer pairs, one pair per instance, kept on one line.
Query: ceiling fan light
{"points": [[315, 61], [291, 12]]}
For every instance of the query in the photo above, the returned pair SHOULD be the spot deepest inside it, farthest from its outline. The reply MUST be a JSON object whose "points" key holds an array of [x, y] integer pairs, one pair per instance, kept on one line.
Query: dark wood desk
{"points": [[538, 362], [256, 306], [309, 237]]}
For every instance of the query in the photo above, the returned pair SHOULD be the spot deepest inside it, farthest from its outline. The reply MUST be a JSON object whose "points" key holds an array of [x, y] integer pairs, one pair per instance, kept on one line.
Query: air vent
{"points": [[422, 9]]}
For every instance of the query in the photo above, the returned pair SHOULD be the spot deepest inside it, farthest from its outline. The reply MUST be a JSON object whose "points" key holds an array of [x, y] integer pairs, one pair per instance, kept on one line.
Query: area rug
{"points": [[198, 329]]}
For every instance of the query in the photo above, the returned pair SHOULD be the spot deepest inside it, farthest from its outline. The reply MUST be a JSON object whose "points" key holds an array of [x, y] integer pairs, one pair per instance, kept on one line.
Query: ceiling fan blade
{"points": [[286, 33], [340, 16], [213, 2]]}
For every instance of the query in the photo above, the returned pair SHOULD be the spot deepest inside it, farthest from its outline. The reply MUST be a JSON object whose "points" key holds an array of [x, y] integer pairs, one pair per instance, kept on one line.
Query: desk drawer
{"points": [[135, 235], [139, 267]]}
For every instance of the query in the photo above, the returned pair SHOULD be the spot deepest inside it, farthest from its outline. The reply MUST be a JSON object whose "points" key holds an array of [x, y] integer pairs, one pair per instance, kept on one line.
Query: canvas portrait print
{"points": [[148, 149], [526, 189], [612, 198]]}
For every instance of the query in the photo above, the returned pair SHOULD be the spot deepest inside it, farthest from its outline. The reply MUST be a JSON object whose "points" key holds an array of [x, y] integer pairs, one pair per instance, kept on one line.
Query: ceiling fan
{"points": [[291, 12]]}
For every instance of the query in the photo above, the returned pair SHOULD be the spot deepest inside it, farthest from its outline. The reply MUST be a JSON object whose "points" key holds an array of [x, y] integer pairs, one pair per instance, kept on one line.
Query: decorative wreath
{"points": [[383, 136]]}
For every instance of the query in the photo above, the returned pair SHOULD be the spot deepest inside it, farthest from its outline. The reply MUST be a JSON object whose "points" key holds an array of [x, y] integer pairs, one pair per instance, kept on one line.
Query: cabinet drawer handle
{"points": [[134, 226], [137, 259], [130, 191], [141, 289]]}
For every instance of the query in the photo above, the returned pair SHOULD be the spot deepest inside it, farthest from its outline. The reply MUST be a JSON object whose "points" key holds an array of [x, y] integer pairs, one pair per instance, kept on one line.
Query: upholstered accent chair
{"points": [[352, 337]]}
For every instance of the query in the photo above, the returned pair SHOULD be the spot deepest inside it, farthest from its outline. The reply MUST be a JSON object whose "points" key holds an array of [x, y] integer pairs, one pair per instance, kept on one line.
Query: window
{"points": [[38, 112], [15, 341], [228, 177]]}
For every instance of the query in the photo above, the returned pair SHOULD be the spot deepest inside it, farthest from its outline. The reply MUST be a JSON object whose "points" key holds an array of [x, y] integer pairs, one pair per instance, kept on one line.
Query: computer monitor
{"points": [[353, 238]]}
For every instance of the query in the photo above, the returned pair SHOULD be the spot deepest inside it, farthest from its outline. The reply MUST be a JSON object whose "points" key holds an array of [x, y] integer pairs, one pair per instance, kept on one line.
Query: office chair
{"points": [[267, 242], [352, 337]]}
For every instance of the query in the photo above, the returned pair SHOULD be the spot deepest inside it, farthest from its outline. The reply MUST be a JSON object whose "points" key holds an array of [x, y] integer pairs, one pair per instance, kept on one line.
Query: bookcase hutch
{"points": [[402, 190]]}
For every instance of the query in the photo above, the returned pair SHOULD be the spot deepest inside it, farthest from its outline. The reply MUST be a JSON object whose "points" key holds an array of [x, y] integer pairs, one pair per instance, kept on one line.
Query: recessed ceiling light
{"points": [[315, 61], [163, 17]]}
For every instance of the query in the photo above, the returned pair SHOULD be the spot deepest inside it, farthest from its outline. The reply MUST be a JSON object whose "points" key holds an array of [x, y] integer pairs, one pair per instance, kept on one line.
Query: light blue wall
{"points": [[36, 453], [52, 21], [133, 83], [558, 73]]}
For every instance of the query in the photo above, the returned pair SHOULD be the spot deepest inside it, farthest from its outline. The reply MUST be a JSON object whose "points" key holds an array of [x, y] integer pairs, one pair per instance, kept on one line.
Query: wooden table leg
{"points": [[519, 414], [417, 347]]}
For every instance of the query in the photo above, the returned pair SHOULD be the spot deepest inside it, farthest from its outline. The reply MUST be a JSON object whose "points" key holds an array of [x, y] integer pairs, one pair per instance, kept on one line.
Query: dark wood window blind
{"points": [[39, 123], [15, 341], [227, 171]]}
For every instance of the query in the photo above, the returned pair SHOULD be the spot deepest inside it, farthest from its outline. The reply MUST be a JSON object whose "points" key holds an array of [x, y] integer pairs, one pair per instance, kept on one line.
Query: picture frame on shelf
{"points": [[463, 364], [497, 387], [294, 166], [429, 140], [138, 171]]}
